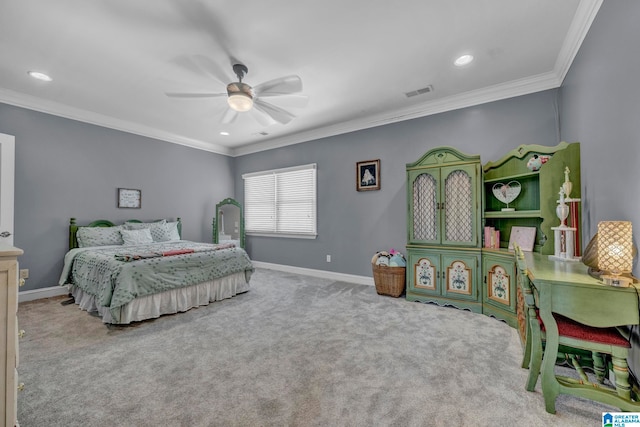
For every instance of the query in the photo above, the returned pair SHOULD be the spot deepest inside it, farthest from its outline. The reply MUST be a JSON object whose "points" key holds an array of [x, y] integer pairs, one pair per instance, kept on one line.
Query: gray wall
{"points": [[353, 225], [600, 107], [66, 168]]}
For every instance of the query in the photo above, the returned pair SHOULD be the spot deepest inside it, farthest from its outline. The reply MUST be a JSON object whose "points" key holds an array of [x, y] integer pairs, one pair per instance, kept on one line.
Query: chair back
{"points": [[523, 278]]}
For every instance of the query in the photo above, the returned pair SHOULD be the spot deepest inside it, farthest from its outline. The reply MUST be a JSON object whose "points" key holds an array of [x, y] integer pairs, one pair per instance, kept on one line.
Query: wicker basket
{"points": [[389, 280]]}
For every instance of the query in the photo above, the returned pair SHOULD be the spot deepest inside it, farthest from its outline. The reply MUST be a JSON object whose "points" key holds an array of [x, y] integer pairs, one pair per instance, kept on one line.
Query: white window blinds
{"points": [[281, 202]]}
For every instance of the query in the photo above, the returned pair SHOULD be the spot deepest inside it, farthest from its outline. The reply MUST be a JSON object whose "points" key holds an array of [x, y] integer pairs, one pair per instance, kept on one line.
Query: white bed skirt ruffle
{"points": [[167, 302]]}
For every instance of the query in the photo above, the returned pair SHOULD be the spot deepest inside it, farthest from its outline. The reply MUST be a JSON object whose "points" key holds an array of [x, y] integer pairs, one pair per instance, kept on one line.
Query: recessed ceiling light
{"points": [[40, 76], [463, 60], [224, 133]]}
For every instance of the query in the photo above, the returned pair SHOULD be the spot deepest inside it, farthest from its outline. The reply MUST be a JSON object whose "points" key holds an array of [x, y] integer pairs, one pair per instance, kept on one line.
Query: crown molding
{"points": [[585, 14], [61, 110], [468, 99]]}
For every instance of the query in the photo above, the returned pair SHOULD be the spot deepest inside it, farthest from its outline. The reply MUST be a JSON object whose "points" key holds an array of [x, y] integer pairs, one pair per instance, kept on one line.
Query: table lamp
{"points": [[615, 252]]}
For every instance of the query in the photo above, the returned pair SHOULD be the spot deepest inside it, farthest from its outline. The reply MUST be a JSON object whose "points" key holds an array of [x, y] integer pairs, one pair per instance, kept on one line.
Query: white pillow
{"points": [[136, 237], [138, 225], [161, 231], [165, 232], [99, 236]]}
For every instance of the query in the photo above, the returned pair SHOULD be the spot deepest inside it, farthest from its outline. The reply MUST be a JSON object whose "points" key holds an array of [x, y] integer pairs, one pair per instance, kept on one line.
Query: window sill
{"points": [[284, 235]]}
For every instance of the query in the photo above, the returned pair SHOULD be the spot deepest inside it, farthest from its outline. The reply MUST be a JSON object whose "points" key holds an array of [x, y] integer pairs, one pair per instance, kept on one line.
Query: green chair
{"points": [[574, 357], [606, 345]]}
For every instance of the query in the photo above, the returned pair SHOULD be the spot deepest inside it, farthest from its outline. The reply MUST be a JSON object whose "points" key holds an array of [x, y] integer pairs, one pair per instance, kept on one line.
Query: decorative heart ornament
{"points": [[507, 193]]}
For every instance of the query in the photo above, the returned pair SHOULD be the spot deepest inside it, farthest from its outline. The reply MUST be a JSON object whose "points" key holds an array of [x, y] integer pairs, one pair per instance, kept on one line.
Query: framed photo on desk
{"points": [[525, 237]]}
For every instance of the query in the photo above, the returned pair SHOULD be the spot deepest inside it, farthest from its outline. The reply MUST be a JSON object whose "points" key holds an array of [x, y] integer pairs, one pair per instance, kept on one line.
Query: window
{"points": [[281, 202]]}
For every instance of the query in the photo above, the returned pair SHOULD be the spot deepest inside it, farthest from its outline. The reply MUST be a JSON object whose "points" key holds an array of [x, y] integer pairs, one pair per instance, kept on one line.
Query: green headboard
{"points": [[73, 228]]}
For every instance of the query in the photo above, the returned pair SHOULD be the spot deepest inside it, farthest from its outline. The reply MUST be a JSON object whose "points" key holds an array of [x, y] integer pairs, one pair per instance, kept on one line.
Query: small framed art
{"points": [[368, 175], [525, 237], [129, 198]]}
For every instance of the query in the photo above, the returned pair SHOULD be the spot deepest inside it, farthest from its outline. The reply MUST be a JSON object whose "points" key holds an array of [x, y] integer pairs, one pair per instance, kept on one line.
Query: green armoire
{"points": [[444, 222]]}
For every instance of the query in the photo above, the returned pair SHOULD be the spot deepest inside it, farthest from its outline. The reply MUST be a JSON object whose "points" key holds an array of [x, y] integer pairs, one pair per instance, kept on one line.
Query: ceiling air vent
{"points": [[419, 91]]}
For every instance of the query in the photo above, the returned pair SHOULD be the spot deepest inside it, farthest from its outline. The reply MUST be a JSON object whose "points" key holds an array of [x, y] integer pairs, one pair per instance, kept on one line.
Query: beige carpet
{"points": [[293, 351]]}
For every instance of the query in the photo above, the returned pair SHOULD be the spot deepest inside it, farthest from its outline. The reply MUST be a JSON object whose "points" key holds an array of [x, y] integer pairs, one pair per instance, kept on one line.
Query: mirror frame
{"points": [[216, 220]]}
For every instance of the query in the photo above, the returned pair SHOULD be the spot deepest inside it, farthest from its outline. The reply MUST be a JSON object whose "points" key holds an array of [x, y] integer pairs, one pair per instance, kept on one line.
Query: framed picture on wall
{"points": [[129, 198], [368, 175]]}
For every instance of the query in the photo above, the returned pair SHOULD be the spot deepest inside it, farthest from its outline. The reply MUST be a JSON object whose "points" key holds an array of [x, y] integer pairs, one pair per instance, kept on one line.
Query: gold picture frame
{"points": [[368, 175]]}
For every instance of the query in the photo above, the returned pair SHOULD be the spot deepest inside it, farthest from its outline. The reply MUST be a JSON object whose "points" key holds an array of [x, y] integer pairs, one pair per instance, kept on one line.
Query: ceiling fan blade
{"points": [[280, 86], [276, 113], [201, 17], [193, 95], [202, 65], [229, 116], [296, 101], [262, 118], [212, 68]]}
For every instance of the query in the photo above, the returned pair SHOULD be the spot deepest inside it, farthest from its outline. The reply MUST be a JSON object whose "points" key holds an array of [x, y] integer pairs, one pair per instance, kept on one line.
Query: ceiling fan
{"points": [[242, 98]]}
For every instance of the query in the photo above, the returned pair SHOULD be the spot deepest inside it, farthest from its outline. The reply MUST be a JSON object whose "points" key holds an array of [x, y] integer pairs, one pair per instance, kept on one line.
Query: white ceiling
{"points": [[112, 61]]}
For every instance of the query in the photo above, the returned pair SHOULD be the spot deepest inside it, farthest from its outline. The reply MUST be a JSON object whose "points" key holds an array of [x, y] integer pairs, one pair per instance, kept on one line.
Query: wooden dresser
{"points": [[9, 283]]}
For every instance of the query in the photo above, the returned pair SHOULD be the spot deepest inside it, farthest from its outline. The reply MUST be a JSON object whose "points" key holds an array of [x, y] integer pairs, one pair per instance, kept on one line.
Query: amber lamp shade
{"points": [[615, 251]]}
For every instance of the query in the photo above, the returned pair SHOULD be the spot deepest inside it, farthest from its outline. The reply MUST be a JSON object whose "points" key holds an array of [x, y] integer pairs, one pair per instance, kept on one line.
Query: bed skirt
{"points": [[167, 302]]}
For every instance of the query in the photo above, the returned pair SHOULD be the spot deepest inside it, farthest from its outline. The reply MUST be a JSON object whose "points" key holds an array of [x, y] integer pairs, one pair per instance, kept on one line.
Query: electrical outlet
{"points": [[328, 258], [24, 273]]}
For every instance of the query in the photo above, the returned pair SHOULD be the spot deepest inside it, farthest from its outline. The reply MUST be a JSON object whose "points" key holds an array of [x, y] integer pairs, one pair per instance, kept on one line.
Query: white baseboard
{"points": [[35, 294], [351, 278]]}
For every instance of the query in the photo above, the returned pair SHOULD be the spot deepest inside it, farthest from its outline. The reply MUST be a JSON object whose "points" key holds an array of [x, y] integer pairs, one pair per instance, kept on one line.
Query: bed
{"points": [[141, 270]]}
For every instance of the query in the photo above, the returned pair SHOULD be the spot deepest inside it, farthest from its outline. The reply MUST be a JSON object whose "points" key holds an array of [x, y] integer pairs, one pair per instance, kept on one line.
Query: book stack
{"points": [[491, 238]]}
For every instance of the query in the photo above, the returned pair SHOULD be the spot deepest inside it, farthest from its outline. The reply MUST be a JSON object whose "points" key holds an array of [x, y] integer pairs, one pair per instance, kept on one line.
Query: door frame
{"points": [[7, 183]]}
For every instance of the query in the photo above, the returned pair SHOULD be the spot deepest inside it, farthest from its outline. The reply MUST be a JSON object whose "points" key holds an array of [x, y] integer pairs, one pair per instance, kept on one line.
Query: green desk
{"points": [[567, 289]]}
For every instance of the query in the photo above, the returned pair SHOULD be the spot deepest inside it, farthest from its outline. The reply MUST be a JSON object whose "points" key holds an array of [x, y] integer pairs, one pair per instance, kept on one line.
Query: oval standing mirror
{"points": [[228, 225]]}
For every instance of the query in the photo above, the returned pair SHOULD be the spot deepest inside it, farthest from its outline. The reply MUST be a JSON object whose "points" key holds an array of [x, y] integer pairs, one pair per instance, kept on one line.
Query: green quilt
{"points": [[114, 283]]}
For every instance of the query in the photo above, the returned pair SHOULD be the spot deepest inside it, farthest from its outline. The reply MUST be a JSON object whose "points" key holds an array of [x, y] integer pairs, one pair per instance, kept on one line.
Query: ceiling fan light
{"points": [[240, 102]]}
